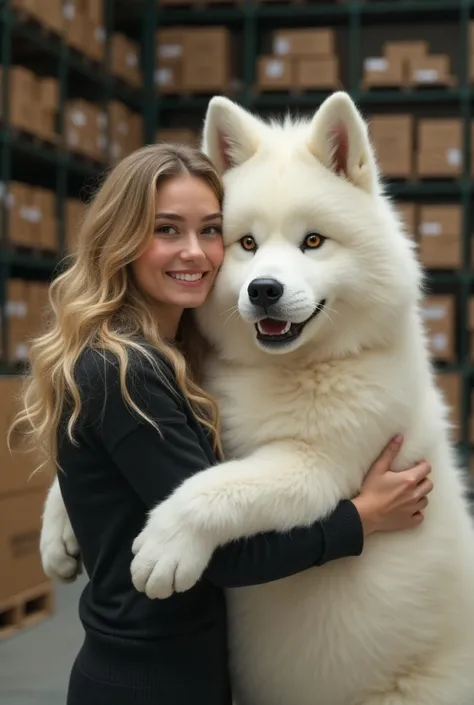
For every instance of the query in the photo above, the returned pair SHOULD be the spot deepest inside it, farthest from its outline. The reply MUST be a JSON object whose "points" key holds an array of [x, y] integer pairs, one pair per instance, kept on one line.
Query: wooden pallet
{"points": [[26, 609]]}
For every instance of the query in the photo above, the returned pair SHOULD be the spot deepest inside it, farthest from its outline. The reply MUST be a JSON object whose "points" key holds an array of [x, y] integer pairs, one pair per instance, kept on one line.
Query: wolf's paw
{"points": [[168, 558], [60, 554]]}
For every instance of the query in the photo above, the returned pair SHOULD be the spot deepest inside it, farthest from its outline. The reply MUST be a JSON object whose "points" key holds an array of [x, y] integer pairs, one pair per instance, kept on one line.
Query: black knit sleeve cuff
{"points": [[343, 533]]}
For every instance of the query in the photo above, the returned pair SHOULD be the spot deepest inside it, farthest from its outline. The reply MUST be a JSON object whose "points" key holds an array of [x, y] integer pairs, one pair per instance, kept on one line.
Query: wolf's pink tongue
{"points": [[272, 327]]}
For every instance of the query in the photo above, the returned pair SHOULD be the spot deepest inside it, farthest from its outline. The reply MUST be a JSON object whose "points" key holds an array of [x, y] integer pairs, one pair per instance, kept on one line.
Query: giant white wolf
{"points": [[323, 359]]}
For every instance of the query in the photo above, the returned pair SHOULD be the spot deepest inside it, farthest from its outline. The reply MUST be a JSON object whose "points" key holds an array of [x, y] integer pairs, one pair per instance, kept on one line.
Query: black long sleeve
{"points": [[166, 460], [119, 467]]}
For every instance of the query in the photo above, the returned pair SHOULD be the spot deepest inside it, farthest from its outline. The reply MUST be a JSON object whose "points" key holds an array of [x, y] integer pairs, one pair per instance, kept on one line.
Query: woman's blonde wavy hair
{"points": [[96, 303]]}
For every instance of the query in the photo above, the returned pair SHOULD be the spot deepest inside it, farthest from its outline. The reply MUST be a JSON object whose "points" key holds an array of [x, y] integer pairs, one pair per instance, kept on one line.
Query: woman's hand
{"points": [[391, 501]]}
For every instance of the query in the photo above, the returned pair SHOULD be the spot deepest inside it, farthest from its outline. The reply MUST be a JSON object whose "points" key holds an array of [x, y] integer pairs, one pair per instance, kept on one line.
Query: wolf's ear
{"points": [[339, 139], [231, 134]]}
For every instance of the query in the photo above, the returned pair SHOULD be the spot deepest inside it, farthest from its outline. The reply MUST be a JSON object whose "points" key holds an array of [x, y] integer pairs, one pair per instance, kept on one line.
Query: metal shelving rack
{"points": [[141, 19], [67, 174]]}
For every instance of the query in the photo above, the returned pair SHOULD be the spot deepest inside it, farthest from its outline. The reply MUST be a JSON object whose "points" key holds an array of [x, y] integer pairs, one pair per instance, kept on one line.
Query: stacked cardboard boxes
{"points": [[439, 147], [26, 303], [429, 147], [193, 60], [25, 593], [32, 102], [393, 140], [31, 214], [88, 128], [439, 318], [406, 64], [301, 59], [125, 60], [49, 13], [84, 27], [440, 236]]}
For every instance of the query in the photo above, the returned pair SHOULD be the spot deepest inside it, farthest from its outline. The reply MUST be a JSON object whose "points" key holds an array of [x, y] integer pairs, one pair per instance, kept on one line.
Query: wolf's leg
{"points": [[59, 550], [278, 487]]}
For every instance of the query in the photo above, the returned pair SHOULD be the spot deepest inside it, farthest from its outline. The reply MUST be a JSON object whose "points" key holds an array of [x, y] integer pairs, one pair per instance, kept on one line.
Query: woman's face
{"points": [[178, 268]]}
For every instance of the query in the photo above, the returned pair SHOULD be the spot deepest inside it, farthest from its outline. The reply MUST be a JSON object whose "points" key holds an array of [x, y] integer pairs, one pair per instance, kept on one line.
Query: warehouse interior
{"points": [[86, 82]]}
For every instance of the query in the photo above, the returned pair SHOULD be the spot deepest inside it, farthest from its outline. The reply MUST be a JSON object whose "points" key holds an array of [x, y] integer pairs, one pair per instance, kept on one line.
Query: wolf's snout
{"points": [[265, 292]]}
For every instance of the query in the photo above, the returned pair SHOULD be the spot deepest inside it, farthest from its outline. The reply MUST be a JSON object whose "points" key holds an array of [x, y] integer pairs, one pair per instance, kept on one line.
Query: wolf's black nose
{"points": [[265, 292]]}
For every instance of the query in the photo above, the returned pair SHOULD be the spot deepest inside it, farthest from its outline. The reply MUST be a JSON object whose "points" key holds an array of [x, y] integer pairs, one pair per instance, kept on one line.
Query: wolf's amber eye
{"points": [[248, 243], [312, 241]]}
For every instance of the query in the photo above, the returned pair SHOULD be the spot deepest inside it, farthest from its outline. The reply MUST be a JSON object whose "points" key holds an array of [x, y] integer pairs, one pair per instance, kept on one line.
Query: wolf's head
{"points": [[315, 255]]}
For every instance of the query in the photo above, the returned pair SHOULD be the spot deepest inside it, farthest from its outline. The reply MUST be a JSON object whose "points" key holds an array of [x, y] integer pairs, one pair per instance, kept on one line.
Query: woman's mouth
{"points": [[188, 278]]}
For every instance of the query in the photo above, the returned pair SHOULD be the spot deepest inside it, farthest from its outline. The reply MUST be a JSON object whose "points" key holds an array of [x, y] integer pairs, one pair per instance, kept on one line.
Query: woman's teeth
{"points": [[187, 277]]}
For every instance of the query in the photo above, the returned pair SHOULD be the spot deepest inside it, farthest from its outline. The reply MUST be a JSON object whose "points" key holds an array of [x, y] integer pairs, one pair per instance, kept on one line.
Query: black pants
{"points": [[90, 689]]}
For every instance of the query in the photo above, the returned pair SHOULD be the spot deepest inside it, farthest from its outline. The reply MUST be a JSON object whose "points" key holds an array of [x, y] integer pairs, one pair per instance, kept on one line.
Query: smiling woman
{"points": [[179, 265]]}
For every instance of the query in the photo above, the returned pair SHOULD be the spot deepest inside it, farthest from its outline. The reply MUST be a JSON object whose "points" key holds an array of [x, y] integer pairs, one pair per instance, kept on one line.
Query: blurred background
{"points": [[85, 82]]}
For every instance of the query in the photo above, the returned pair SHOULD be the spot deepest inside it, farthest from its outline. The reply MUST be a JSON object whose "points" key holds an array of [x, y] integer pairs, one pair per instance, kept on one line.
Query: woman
{"points": [[114, 400]]}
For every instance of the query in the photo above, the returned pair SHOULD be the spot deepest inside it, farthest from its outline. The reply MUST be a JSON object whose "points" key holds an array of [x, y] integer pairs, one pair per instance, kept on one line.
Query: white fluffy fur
{"points": [[394, 626]]}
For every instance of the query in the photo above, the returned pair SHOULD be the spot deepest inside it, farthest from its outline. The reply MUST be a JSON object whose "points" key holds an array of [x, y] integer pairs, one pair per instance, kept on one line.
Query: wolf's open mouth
{"points": [[272, 330]]}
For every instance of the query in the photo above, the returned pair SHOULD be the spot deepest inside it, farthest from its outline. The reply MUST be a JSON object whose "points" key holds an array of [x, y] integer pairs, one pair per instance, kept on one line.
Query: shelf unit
{"points": [[25, 41], [141, 18]]}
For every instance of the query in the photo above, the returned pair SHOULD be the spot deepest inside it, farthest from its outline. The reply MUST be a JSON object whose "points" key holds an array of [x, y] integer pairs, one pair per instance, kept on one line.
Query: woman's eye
{"points": [[312, 241], [166, 230], [213, 230], [248, 243]]}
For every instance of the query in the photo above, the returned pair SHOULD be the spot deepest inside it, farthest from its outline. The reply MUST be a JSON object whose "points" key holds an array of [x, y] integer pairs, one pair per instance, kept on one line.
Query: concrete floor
{"points": [[35, 663]]}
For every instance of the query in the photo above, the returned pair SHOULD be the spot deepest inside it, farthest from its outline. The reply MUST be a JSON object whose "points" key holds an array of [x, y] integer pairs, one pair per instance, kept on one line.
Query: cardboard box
{"points": [[440, 236], [440, 147], [170, 44], [431, 70], [16, 466], [450, 384], [275, 73], [17, 314], [392, 137], [47, 12], [405, 49], [125, 59], [168, 76], [382, 72], [22, 218], [318, 72], [20, 528], [207, 60], [438, 313], [409, 215], [304, 42]]}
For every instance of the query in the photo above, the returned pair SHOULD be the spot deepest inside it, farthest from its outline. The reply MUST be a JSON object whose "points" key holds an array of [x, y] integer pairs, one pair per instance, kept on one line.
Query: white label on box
{"points": [[25, 213], [431, 229], [426, 76], [439, 342], [69, 11], [274, 69], [22, 352], [131, 59], [72, 138], [376, 63], [281, 46], [78, 118], [434, 313], [99, 35], [170, 51], [454, 157], [102, 120], [16, 309], [163, 77], [34, 214], [10, 200]]}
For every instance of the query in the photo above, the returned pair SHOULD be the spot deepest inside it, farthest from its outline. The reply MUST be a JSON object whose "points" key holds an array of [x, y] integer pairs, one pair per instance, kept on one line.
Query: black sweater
{"points": [[119, 470]]}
